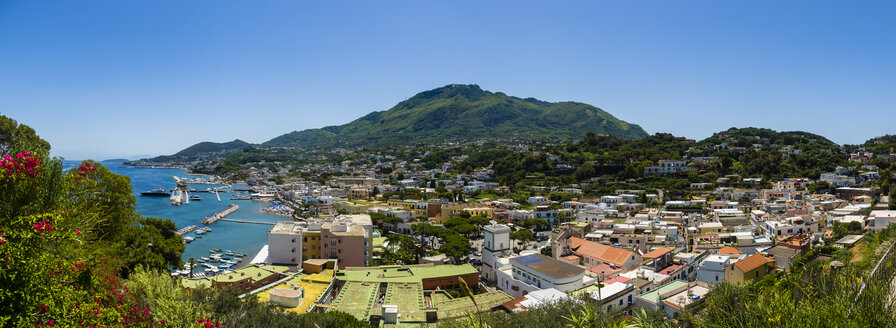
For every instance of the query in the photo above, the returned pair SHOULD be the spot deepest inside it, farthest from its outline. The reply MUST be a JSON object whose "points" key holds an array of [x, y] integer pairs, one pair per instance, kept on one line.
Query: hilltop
{"points": [[464, 112], [201, 151]]}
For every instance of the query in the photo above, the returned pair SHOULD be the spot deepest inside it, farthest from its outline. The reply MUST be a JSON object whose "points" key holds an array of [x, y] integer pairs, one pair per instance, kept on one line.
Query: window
{"points": [[293, 240], [717, 278], [304, 239], [620, 302], [339, 251]]}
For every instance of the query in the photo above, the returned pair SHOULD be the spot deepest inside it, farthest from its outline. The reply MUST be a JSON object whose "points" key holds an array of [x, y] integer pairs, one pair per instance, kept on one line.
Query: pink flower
{"points": [[77, 232]]}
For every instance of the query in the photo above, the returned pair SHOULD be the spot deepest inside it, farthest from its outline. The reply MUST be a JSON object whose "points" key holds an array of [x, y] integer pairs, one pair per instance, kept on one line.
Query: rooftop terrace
{"points": [[405, 273]]}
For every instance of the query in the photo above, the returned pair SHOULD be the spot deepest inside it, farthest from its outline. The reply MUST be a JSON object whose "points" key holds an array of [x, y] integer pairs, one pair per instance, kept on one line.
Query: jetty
{"points": [[246, 221], [220, 215], [184, 230]]}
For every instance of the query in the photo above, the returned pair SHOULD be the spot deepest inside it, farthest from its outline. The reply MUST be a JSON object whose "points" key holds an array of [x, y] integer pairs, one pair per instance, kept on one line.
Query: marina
{"points": [[226, 235]]}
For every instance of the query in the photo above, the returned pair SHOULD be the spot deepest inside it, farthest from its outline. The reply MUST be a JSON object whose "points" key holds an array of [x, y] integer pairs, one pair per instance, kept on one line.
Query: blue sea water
{"points": [[240, 237]]}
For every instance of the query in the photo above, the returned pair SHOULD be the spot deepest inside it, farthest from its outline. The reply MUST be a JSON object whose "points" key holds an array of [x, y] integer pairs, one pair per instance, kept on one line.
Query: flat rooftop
{"points": [[404, 273], [549, 266]]}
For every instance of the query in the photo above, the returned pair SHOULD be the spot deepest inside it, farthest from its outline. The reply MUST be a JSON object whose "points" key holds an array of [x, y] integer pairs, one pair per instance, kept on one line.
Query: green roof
{"points": [[237, 275], [458, 307], [409, 299], [196, 283], [654, 296], [404, 273], [357, 299]]}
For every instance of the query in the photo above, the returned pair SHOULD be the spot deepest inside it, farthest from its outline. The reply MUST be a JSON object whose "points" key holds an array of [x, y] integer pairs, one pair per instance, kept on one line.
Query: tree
{"points": [[466, 229], [192, 262], [455, 246], [522, 236], [892, 204]]}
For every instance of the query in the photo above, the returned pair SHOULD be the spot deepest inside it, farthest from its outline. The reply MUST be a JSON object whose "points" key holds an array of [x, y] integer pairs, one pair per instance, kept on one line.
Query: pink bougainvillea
{"points": [[22, 163]]}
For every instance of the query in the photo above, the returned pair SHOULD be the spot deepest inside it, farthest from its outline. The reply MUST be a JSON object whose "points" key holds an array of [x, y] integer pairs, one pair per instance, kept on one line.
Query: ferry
{"points": [[156, 192]]}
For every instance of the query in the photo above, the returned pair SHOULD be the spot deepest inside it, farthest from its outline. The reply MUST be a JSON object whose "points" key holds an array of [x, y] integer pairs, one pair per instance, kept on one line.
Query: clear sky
{"points": [[113, 78]]}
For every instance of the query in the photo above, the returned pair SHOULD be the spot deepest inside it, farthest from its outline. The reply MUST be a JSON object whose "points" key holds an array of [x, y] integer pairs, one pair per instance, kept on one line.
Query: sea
{"points": [[246, 238]]}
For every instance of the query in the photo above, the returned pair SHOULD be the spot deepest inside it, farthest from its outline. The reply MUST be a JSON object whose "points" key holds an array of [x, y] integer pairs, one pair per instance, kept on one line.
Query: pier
{"points": [[246, 221], [220, 215], [184, 230]]}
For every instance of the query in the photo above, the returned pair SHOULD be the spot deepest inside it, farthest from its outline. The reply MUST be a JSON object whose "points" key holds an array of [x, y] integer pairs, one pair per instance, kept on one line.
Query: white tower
{"points": [[495, 245]]}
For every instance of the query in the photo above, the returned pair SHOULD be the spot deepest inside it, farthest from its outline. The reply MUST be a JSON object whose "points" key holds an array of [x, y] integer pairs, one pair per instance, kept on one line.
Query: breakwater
{"points": [[217, 216]]}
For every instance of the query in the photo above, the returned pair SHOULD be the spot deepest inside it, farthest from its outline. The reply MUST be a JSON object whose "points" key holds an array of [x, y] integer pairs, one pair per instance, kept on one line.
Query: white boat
{"points": [[189, 239]]}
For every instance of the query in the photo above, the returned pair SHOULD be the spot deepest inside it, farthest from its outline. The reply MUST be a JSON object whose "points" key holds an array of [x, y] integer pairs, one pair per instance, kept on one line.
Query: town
{"points": [[399, 239]]}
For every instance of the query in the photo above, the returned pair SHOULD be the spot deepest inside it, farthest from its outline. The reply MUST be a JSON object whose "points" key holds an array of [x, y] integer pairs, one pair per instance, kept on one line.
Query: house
{"points": [[615, 296], [593, 253], [753, 267], [666, 167], [880, 219], [684, 299], [782, 255], [712, 269]]}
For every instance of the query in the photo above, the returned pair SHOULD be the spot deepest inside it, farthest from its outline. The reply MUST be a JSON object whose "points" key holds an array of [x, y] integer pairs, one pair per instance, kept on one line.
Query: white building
{"points": [[666, 167], [285, 243], [712, 269], [879, 220]]}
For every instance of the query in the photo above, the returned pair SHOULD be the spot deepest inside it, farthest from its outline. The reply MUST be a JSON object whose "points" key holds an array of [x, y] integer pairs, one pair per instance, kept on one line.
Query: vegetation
{"points": [[464, 112], [67, 239]]}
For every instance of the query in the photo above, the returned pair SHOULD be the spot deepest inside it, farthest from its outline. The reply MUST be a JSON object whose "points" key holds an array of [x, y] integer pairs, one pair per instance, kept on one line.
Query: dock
{"points": [[246, 221], [220, 215], [184, 230]]}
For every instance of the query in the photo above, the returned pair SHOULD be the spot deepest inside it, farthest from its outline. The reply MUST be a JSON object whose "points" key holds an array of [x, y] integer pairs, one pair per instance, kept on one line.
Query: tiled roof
{"points": [[600, 252], [728, 250], [752, 262], [657, 252]]}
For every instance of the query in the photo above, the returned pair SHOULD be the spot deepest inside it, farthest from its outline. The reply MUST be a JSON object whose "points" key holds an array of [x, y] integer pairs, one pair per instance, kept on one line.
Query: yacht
{"points": [[159, 192]]}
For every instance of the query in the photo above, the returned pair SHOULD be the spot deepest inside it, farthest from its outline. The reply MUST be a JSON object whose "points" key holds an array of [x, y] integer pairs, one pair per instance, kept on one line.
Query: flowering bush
{"points": [[24, 163]]}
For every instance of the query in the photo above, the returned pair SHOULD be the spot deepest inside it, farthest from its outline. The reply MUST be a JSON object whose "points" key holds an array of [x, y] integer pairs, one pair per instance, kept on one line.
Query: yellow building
{"points": [[753, 267], [480, 211], [310, 244], [359, 192], [356, 206], [419, 208]]}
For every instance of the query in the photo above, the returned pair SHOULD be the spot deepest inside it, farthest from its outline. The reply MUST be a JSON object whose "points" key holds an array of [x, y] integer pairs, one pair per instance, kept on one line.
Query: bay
{"points": [[243, 238]]}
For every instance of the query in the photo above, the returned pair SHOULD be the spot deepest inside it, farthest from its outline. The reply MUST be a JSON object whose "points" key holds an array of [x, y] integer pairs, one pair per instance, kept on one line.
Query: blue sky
{"points": [[104, 79]]}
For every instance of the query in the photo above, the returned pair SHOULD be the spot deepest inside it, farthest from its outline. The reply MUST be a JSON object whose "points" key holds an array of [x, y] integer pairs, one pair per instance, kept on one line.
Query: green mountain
{"points": [[464, 112], [201, 151]]}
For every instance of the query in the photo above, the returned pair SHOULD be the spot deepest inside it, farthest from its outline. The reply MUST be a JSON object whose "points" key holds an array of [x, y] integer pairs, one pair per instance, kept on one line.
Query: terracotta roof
{"points": [[514, 304], [604, 269], [752, 262], [728, 250], [600, 252], [570, 258], [616, 279], [657, 252]]}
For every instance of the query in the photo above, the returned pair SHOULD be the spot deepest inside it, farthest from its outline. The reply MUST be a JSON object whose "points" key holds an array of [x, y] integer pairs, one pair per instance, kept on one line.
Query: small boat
{"points": [[195, 197], [214, 250], [188, 239]]}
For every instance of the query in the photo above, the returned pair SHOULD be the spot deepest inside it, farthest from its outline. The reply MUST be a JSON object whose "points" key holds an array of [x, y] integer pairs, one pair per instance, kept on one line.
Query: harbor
{"points": [[226, 235]]}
